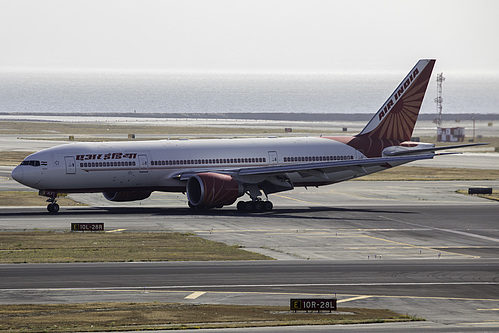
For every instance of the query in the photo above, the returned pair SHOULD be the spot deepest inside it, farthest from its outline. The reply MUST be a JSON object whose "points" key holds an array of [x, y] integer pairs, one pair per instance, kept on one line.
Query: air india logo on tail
{"points": [[406, 84], [398, 93], [397, 117]]}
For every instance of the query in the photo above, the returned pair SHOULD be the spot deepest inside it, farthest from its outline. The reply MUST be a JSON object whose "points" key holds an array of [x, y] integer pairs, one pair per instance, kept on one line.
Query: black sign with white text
{"points": [[87, 226], [313, 304]]}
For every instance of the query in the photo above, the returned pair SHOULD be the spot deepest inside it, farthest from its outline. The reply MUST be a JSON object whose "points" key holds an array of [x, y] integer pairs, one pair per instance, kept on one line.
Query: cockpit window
{"points": [[32, 163]]}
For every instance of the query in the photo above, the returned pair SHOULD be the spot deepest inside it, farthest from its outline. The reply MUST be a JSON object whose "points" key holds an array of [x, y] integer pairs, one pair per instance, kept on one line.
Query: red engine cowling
{"points": [[210, 190], [126, 196]]}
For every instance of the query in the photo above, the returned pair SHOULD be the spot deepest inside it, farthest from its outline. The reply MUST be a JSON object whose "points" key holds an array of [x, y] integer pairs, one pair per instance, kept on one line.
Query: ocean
{"points": [[113, 92]]}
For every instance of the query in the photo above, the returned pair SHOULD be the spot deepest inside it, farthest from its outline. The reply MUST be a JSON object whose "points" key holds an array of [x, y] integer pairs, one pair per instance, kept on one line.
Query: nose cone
{"points": [[17, 174]]}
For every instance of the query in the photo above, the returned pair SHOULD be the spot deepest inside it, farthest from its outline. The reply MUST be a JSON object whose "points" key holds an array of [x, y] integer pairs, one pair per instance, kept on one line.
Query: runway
{"points": [[391, 278], [417, 248], [443, 292]]}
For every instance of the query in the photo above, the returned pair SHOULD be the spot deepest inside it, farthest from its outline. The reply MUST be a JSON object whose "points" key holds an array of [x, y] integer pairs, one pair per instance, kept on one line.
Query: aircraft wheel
{"points": [[53, 208], [248, 206], [241, 206], [245, 206], [254, 206], [258, 206]]}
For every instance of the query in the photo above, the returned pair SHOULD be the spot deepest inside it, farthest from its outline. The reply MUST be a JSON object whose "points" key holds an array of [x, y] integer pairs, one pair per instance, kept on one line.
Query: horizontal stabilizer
{"points": [[410, 151]]}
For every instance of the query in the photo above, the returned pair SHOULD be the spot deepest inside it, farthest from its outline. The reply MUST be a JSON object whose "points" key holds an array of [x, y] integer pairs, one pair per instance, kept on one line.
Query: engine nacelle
{"points": [[210, 190], [127, 196]]}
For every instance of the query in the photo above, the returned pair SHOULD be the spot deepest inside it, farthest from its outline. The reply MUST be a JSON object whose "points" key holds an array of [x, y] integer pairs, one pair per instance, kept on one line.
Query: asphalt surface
{"points": [[431, 260], [417, 248], [390, 278], [445, 292]]}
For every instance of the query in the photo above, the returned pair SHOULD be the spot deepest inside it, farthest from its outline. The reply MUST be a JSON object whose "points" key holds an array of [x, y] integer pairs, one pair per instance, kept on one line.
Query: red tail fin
{"points": [[395, 120]]}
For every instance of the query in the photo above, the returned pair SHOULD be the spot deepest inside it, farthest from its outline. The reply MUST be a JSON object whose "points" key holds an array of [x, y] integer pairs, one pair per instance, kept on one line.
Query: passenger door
{"points": [[273, 157], [70, 164], [143, 163]]}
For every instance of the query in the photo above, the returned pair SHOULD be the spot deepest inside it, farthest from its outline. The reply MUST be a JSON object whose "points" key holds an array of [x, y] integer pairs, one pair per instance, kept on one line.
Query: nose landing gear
{"points": [[52, 207]]}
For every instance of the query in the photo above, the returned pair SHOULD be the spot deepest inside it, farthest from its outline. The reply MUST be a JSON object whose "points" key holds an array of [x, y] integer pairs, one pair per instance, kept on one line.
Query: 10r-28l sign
{"points": [[313, 304]]}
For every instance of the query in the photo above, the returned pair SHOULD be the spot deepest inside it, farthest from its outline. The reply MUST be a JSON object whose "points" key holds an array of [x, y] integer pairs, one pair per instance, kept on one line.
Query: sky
{"points": [[249, 35]]}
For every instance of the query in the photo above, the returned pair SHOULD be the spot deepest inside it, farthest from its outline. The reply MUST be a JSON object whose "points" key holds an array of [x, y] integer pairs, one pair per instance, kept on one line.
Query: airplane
{"points": [[216, 172]]}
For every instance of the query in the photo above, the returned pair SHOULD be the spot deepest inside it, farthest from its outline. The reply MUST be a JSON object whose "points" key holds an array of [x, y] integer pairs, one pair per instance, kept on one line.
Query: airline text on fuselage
{"points": [[108, 156]]}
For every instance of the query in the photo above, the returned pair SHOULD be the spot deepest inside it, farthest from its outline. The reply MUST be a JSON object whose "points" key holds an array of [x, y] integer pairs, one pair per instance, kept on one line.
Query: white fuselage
{"points": [[154, 165]]}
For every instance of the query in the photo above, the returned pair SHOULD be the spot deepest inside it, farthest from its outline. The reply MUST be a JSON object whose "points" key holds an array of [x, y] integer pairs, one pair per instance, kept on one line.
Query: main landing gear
{"points": [[257, 206]]}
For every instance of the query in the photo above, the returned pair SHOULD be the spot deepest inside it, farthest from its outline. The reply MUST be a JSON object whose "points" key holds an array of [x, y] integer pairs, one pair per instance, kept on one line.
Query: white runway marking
{"points": [[353, 299], [195, 295]]}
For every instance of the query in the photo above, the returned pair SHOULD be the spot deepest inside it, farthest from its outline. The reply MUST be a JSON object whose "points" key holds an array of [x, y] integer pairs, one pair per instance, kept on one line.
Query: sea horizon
{"points": [[117, 92]]}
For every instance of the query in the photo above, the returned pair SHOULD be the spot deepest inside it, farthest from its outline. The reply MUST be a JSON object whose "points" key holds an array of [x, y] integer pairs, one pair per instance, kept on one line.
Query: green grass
{"points": [[52, 247]]}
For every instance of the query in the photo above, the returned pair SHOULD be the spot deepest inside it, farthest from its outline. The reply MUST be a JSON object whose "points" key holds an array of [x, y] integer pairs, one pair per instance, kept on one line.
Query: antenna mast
{"points": [[439, 100]]}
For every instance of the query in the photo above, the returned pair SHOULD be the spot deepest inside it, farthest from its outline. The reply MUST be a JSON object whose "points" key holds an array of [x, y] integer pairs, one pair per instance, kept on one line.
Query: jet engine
{"points": [[127, 195], [210, 190]]}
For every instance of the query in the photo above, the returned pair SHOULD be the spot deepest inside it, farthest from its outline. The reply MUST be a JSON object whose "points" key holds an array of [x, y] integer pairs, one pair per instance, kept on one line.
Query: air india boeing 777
{"points": [[215, 172]]}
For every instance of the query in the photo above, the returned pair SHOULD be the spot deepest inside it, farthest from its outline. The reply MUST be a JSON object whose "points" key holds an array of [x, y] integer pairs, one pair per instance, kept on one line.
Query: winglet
{"points": [[396, 119]]}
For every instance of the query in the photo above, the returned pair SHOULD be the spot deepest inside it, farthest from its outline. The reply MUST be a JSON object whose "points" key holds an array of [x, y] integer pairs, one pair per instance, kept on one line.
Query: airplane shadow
{"points": [[313, 213]]}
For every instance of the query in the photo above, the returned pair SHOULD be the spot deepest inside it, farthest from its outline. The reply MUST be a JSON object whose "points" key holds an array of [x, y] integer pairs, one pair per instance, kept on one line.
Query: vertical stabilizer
{"points": [[395, 120]]}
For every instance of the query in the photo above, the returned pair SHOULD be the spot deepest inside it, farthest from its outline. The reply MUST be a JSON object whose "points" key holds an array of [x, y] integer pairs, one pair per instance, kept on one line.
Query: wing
{"points": [[316, 168], [330, 167]]}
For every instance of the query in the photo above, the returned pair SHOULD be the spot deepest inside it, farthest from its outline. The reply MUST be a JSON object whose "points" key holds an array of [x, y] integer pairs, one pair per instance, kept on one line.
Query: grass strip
{"points": [[13, 158], [55, 247], [408, 173], [81, 128], [88, 317], [31, 198]]}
